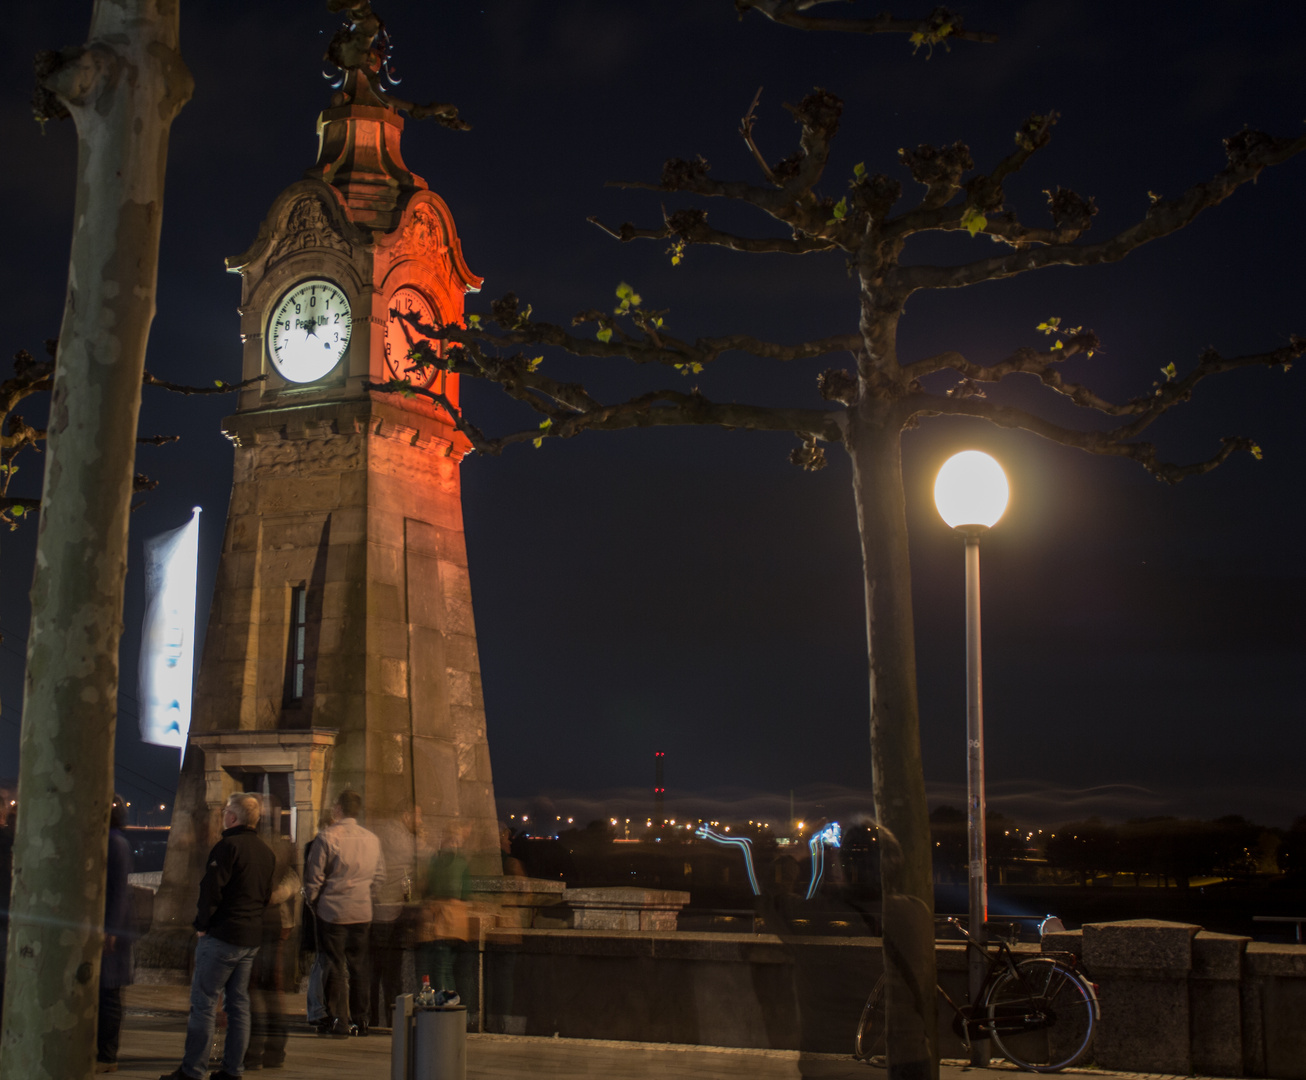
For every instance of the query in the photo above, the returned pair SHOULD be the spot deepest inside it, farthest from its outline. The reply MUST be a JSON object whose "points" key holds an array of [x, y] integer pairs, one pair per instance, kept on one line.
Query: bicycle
{"points": [[1041, 1012]]}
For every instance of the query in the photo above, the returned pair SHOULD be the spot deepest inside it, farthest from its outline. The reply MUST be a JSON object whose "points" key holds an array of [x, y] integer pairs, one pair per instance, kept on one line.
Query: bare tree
{"points": [[122, 89], [869, 226]]}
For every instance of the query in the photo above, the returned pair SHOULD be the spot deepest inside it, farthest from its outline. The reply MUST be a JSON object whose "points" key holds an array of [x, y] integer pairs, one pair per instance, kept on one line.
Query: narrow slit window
{"points": [[298, 639]]}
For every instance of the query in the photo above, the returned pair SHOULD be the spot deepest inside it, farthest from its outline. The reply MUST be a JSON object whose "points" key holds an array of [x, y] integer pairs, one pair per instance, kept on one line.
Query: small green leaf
{"points": [[840, 210], [18, 511], [624, 291], [604, 334], [1256, 452], [474, 322], [1169, 371], [546, 423], [859, 171], [1050, 326], [1057, 345], [973, 221], [538, 442], [531, 365], [219, 383]]}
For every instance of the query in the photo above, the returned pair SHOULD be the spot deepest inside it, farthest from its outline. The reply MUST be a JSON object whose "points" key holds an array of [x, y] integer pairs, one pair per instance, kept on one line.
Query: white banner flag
{"points": [[168, 634]]}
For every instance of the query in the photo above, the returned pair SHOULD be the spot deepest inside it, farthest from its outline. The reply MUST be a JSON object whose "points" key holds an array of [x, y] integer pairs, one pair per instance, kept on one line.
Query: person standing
{"points": [[345, 870], [235, 891], [274, 966], [399, 836], [116, 968]]}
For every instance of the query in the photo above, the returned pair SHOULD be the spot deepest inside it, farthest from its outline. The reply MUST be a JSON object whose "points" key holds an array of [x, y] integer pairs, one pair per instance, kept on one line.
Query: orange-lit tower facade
{"points": [[341, 649]]}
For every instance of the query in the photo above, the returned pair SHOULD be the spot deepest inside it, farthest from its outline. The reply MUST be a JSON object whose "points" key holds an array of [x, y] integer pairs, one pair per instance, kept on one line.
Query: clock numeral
{"points": [[312, 301], [297, 309]]}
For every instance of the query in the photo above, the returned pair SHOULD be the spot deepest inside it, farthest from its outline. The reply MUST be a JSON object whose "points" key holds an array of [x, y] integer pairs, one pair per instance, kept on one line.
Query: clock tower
{"points": [[341, 650]]}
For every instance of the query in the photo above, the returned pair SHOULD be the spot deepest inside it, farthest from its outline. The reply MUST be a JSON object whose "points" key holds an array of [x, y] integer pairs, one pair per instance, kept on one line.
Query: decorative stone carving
{"points": [[308, 225], [423, 237]]}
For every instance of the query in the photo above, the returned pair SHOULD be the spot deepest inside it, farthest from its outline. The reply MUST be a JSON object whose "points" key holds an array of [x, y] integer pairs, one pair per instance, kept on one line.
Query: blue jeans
{"points": [[219, 967]]}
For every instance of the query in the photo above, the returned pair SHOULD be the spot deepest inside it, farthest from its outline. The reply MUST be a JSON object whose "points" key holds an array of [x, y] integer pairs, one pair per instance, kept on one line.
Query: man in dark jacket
{"points": [[116, 965], [236, 887]]}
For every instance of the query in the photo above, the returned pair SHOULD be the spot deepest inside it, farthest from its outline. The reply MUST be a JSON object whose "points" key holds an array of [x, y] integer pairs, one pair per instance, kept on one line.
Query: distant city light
{"points": [[569, 821]]}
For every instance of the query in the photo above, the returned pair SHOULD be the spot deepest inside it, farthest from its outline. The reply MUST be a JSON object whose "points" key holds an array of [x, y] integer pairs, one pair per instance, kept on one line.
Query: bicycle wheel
{"points": [[1042, 1018], [869, 1043]]}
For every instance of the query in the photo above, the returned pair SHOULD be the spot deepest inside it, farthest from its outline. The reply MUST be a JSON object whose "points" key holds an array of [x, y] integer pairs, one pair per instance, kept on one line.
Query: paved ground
{"points": [[154, 1031]]}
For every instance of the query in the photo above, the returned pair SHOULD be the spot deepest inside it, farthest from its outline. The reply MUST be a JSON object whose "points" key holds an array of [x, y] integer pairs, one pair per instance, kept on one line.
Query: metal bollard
{"points": [[428, 1044], [401, 1039]]}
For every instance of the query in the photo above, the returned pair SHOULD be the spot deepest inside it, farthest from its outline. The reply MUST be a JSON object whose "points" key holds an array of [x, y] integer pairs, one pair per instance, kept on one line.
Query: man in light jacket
{"points": [[345, 870]]}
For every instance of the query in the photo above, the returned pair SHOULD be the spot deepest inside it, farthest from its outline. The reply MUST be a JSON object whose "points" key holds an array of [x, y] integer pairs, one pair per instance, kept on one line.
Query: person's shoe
{"points": [[323, 1026], [360, 1029], [339, 1029], [176, 1074]]}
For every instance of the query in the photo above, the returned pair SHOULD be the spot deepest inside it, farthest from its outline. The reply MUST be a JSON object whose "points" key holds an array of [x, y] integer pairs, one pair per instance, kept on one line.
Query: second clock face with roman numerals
{"points": [[308, 331]]}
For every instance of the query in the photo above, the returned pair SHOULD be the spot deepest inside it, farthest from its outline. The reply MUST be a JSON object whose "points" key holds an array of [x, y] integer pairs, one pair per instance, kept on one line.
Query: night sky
{"points": [[689, 590]]}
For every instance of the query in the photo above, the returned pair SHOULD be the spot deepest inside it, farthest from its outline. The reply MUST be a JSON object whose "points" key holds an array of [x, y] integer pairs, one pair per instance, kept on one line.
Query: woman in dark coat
{"points": [[116, 967]]}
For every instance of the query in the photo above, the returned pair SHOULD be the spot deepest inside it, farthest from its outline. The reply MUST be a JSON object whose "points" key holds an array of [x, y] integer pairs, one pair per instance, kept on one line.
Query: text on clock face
{"points": [[310, 331]]}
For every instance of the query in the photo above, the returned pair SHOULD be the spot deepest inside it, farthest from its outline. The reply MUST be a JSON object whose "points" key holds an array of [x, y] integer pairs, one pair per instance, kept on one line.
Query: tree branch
{"points": [[1143, 411], [941, 26], [654, 346], [792, 198], [685, 227], [1249, 153], [218, 387], [1106, 443], [656, 409]]}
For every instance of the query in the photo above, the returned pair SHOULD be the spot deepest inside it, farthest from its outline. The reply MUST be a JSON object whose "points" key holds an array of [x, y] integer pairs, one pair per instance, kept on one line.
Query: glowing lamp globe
{"points": [[971, 490]]}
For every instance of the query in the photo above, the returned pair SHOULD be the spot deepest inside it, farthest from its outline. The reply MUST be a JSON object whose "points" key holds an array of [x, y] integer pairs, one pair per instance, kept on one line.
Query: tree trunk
{"points": [[905, 865], [123, 90]]}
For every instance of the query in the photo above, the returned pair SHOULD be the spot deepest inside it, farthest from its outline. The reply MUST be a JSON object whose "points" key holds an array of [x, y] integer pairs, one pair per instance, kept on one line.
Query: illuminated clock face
{"points": [[401, 336], [308, 332]]}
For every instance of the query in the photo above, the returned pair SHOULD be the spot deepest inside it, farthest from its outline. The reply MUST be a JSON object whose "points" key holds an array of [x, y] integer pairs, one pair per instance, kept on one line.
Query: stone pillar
{"points": [[1273, 1008], [1142, 968], [1214, 1001]]}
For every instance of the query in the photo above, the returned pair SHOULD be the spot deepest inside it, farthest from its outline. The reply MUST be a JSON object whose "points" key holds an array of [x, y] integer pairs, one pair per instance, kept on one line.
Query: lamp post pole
{"points": [[971, 494], [975, 846]]}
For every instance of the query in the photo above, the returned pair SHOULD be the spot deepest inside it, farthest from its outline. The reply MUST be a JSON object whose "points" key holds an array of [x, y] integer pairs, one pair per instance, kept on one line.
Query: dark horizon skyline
{"points": [[690, 590]]}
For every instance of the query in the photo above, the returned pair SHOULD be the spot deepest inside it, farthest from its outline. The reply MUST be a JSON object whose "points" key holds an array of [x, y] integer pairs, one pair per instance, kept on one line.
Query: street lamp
{"points": [[971, 494]]}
